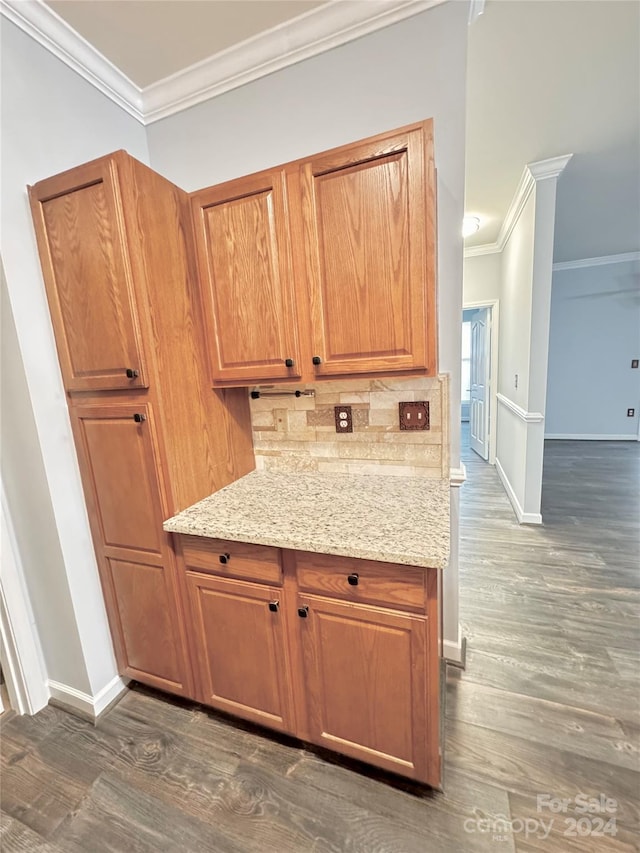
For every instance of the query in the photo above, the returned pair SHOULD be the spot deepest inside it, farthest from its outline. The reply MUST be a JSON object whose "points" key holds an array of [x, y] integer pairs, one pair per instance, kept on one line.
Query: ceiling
{"points": [[151, 39], [544, 79], [552, 78]]}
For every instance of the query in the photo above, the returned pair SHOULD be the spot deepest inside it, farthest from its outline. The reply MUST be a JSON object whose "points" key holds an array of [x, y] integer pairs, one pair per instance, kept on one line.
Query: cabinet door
{"points": [[368, 222], [239, 649], [119, 462], [83, 251], [366, 678], [244, 255]]}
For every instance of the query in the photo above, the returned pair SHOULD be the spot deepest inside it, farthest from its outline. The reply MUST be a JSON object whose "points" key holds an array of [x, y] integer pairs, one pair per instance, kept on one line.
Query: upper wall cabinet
{"points": [[325, 266], [366, 213], [85, 261], [244, 257]]}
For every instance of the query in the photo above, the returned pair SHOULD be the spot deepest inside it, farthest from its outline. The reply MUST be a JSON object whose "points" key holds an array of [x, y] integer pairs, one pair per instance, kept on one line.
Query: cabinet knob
{"points": [[132, 374], [352, 579], [138, 418], [273, 606], [224, 558], [289, 362], [316, 359], [303, 612]]}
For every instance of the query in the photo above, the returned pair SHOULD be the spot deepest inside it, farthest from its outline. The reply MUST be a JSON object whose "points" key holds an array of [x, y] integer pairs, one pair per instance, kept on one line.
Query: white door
{"points": [[479, 369]]}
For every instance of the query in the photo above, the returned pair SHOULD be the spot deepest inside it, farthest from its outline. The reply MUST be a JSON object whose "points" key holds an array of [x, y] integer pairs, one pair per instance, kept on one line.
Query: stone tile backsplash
{"points": [[298, 433]]}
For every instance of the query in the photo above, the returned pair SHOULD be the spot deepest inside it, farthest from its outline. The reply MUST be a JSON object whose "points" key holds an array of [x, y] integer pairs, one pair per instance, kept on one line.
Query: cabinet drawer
{"points": [[232, 559], [385, 584]]}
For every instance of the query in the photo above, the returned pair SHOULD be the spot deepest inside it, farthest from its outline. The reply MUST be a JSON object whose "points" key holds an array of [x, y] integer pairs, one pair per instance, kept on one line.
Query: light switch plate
{"points": [[414, 415]]}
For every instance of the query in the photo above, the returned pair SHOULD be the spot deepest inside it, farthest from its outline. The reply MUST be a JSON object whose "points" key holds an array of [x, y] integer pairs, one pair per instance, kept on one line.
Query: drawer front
{"points": [[232, 559], [367, 581]]}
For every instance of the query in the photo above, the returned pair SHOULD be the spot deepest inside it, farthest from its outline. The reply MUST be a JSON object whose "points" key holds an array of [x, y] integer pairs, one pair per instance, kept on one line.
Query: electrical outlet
{"points": [[634, 362], [414, 415], [344, 421], [631, 413]]}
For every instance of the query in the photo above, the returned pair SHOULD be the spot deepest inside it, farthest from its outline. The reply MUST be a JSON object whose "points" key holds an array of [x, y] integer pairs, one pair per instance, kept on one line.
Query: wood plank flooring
{"points": [[548, 705]]}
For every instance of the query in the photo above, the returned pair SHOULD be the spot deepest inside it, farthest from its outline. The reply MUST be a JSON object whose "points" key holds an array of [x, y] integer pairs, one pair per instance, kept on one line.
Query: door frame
{"points": [[20, 650], [493, 307]]}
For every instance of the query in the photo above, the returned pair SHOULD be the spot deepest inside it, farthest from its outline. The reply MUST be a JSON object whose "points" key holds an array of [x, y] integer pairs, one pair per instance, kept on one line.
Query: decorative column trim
{"points": [[538, 171]]}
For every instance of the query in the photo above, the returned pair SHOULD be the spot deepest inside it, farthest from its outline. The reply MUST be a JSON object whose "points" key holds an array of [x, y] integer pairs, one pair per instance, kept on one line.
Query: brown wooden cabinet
{"points": [[120, 459], [240, 649], [332, 272], [244, 255], [366, 214], [341, 652], [235, 601], [85, 255], [366, 673], [116, 247]]}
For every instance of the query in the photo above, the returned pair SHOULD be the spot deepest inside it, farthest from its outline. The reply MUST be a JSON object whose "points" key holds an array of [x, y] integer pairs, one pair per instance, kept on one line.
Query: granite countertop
{"points": [[392, 519]]}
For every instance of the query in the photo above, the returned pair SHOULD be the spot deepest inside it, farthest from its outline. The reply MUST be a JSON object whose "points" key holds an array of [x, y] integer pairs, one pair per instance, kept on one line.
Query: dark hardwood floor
{"points": [[548, 707]]}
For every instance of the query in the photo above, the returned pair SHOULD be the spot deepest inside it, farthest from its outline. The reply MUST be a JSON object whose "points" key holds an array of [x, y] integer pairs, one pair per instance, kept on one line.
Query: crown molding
{"points": [[308, 35], [540, 170], [49, 30], [302, 38], [476, 8], [597, 262], [482, 249], [553, 167]]}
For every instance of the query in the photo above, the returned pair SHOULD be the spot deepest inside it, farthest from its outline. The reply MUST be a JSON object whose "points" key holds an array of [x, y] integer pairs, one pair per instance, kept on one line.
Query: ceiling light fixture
{"points": [[470, 225]]}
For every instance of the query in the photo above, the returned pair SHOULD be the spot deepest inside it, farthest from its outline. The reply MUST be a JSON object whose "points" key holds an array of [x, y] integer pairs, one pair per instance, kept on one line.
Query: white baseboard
{"points": [[567, 436], [522, 516], [453, 653], [457, 476], [87, 705]]}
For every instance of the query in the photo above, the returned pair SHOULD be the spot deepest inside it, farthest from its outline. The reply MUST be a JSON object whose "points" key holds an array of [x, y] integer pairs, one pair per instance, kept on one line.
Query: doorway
{"points": [[479, 379]]}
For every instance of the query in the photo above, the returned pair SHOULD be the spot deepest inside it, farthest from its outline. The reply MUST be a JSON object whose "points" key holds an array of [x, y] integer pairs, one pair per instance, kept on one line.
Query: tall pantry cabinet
{"points": [[152, 438]]}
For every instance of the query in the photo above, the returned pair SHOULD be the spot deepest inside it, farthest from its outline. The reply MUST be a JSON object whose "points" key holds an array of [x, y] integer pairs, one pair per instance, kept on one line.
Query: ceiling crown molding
{"points": [[539, 171], [602, 260], [48, 29], [476, 8], [308, 35], [318, 30]]}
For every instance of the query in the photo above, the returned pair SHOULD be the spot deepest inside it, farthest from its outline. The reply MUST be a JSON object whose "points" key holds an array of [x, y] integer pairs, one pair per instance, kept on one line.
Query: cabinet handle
{"points": [[289, 362], [303, 612], [132, 374], [352, 579], [273, 606], [316, 359], [224, 558], [138, 418]]}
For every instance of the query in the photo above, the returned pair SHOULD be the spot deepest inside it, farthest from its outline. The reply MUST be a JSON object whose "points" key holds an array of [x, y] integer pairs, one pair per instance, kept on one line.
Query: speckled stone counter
{"points": [[392, 519]]}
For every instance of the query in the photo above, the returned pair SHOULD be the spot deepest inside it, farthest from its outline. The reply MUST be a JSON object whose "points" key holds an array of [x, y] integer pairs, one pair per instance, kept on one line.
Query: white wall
{"points": [[481, 278], [51, 120], [404, 73], [595, 333]]}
